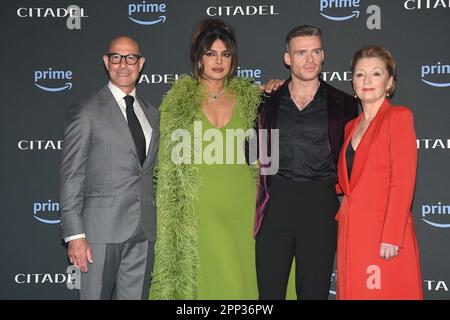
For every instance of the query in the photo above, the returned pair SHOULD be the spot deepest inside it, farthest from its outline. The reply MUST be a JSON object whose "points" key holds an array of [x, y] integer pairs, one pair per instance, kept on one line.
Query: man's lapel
{"points": [[154, 123], [112, 111]]}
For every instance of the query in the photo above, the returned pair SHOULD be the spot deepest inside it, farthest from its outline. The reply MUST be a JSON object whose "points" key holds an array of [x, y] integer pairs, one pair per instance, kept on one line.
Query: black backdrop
{"points": [[42, 51]]}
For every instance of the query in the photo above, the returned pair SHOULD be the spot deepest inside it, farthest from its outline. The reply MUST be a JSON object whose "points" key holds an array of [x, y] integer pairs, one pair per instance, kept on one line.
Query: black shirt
{"points": [[304, 147], [349, 156]]}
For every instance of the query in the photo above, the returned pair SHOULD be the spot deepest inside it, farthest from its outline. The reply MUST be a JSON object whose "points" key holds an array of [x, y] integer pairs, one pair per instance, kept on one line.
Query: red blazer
{"points": [[376, 208]]}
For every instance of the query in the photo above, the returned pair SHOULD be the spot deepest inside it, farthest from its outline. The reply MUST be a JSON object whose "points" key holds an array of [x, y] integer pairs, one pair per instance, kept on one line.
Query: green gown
{"points": [[204, 247], [225, 206]]}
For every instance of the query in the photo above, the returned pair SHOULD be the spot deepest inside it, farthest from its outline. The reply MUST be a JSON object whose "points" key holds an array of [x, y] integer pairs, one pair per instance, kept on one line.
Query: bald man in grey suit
{"points": [[106, 193]]}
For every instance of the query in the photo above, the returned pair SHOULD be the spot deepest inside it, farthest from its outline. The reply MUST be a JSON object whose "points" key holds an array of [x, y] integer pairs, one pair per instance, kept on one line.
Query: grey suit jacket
{"points": [[104, 191]]}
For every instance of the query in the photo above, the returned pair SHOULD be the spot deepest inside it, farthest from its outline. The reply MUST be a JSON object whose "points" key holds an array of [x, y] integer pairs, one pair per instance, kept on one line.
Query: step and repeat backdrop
{"points": [[51, 56]]}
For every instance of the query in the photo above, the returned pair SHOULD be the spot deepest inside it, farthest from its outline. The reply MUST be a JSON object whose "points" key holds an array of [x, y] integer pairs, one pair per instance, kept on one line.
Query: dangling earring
{"points": [[199, 65], [355, 95], [387, 93]]}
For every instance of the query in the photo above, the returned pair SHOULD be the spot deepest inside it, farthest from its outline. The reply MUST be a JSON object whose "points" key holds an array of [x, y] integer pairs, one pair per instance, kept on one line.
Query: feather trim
{"points": [[176, 266]]}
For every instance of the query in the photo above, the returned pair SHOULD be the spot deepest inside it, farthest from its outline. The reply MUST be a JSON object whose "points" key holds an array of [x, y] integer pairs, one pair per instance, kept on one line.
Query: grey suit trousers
{"points": [[120, 271]]}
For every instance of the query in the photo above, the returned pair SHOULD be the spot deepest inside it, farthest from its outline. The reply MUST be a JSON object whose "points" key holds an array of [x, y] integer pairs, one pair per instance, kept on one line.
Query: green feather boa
{"points": [[176, 266]]}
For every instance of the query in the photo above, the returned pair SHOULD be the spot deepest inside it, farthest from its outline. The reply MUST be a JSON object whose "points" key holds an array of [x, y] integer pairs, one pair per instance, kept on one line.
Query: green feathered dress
{"points": [[204, 247]]}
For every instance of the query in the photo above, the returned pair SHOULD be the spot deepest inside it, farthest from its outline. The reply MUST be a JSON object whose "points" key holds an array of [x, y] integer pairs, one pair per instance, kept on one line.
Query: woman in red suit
{"points": [[377, 255]]}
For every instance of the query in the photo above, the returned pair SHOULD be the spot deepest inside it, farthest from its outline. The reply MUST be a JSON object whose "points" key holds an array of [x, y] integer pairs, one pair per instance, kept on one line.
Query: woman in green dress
{"points": [[206, 191]]}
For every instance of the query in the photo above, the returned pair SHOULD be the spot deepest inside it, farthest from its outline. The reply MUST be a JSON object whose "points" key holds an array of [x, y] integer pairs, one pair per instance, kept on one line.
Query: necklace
{"points": [[217, 95]]}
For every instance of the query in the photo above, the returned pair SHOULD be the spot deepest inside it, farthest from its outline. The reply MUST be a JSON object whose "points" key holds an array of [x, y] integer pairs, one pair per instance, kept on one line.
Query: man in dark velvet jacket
{"points": [[296, 207]]}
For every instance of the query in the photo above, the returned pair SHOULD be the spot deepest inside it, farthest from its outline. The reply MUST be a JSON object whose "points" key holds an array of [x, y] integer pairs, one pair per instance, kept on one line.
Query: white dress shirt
{"points": [[119, 95]]}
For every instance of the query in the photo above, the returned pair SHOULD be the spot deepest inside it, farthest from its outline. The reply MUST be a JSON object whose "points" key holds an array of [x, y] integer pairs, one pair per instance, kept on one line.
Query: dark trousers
{"points": [[299, 223]]}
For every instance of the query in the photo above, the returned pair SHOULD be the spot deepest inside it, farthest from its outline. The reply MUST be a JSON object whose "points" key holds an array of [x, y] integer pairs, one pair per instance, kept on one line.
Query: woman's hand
{"points": [[388, 251], [272, 85]]}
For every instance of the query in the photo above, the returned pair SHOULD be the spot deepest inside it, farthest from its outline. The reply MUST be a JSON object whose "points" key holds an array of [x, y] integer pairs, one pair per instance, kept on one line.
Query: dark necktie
{"points": [[136, 129]]}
